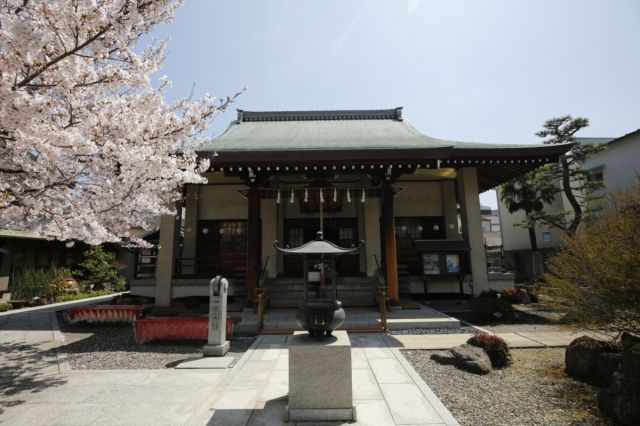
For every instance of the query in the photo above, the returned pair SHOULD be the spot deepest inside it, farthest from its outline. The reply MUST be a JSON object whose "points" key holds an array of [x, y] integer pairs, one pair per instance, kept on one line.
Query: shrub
{"points": [[490, 307], [595, 276], [32, 282], [58, 283], [5, 306], [79, 296], [495, 347], [100, 271]]}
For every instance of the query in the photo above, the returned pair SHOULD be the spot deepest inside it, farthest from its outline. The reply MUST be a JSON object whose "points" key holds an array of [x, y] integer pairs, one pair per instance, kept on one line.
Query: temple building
{"points": [[355, 175]]}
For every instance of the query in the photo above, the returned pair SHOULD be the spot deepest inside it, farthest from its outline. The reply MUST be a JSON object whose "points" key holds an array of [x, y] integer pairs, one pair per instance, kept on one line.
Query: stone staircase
{"points": [[352, 291]]}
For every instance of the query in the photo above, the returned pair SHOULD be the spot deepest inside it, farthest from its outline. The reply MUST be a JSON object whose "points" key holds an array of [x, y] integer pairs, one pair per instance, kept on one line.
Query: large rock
{"points": [[607, 364], [523, 296], [581, 356], [622, 399], [628, 340], [443, 357], [471, 358]]}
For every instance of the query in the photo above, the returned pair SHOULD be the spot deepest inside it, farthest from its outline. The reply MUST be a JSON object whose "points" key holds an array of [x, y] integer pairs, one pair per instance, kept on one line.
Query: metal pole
{"points": [[333, 278], [321, 216], [306, 278]]}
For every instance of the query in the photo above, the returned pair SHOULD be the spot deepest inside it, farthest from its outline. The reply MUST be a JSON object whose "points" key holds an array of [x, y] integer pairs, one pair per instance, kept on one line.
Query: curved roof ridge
{"points": [[358, 114]]}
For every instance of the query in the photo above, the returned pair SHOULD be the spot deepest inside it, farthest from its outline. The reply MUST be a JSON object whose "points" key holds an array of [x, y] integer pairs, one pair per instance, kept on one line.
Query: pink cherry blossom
{"points": [[88, 148]]}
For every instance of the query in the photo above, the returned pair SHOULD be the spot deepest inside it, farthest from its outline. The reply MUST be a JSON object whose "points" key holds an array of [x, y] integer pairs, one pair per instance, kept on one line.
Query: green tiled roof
{"points": [[331, 130]]}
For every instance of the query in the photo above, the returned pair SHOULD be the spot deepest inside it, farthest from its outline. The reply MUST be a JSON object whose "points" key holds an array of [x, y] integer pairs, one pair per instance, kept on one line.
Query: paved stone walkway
{"points": [[37, 387], [514, 340], [387, 390]]}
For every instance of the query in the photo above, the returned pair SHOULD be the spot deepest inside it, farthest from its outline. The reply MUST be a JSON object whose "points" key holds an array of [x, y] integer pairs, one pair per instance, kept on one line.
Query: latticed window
{"points": [[346, 237], [295, 237], [233, 235]]}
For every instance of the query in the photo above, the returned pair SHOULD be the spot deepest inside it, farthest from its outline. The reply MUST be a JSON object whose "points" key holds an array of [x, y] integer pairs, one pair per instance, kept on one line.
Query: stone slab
{"points": [[432, 341], [319, 414], [216, 350], [406, 323], [515, 340], [206, 362], [408, 405], [320, 373]]}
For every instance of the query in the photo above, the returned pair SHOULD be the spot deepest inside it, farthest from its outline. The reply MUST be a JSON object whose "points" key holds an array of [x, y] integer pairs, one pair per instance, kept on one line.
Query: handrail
{"points": [[261, 300], [379, 271], [382, 306], [263, 271]]}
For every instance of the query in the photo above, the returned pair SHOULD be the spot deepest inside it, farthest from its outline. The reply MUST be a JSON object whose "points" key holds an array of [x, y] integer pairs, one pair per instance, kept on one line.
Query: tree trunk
{"points": [[532, 239], [566, 188]]}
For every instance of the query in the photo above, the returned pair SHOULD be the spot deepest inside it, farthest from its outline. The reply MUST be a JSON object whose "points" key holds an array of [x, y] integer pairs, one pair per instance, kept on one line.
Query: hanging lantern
{"points": [[348, 195], [335, 195], [363, 196], [278, 197], [306, 195], [293, 198]]}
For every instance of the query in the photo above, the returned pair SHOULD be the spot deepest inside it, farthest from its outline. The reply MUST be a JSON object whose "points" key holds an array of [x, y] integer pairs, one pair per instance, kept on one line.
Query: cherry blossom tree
{"points": [[88, 148]]}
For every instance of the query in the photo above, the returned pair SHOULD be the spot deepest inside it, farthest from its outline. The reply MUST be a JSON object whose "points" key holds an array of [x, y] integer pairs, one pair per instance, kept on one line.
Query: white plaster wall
{"points": [[219, 202], [372, 235], [517, 238], [472, 226], [269, 213], [418, 199], [621, 161]]}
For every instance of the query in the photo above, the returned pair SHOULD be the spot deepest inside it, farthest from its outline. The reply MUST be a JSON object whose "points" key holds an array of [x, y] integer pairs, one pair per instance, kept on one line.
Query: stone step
{"points": [[407, 323]]}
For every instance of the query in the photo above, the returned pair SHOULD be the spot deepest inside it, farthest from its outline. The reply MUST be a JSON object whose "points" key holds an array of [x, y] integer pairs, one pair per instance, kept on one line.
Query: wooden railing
{"points": [[382, 306], [197, 267], [261, 300]]}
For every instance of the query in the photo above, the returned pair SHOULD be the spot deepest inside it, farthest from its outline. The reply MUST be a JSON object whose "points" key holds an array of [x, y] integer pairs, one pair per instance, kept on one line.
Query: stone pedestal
{"points": [[320, 382], [217, 344]]}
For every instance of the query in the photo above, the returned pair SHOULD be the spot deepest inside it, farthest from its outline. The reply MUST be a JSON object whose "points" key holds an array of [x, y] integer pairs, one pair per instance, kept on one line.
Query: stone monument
{"points": [[320, 382], [217, 344]]}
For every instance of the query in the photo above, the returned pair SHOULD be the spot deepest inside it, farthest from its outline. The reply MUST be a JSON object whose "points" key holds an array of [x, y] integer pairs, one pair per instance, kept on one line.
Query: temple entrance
{"points": [[340, 231]]}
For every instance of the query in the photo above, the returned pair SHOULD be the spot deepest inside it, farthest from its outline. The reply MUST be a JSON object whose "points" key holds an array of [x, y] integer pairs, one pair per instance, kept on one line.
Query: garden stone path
{"points": [[38, 387], [514, 340]]}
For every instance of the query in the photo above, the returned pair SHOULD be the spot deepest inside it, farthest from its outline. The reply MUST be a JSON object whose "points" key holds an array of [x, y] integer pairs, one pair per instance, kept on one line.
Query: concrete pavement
{"points": [[37, 386]]}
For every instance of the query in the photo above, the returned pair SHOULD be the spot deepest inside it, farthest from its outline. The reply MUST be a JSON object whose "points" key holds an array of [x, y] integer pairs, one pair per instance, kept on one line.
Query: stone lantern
{"points": [[320, 313]]}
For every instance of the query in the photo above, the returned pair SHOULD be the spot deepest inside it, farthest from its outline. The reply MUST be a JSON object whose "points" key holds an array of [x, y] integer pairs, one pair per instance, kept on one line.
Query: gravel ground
{"points": [[113, 347], [533, 391], [461, 330]]}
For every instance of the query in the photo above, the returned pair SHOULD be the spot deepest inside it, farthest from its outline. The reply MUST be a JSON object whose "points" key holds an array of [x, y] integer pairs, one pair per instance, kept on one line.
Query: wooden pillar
{"points": [[165, 262], [389, 229], [253, 243]]}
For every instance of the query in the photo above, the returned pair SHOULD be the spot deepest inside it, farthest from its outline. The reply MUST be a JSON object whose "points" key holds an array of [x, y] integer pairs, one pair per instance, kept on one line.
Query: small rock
{"points": [[581, 356], [523, 296], [471, 358], [443, 357], [622, 399]]}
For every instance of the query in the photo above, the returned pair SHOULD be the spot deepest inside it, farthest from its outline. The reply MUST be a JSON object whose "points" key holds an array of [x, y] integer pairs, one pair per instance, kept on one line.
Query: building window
{"points": [[295, 237], [595, 175], [346, 236], [546, 236], [233, 235]]}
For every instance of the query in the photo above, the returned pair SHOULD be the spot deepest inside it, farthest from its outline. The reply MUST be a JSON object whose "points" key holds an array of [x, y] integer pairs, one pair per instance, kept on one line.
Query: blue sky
{"points": [[486, 71]]}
